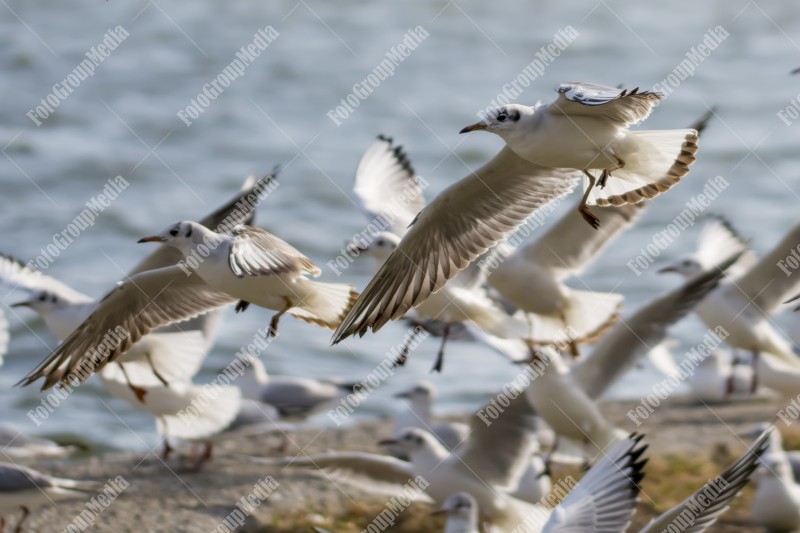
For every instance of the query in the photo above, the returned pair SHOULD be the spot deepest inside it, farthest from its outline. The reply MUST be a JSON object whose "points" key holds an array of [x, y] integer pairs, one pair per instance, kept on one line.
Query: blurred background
{"points": [[122, 121]]}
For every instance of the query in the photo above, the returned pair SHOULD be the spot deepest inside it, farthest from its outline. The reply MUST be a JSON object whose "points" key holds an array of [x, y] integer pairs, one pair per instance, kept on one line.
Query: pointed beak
{"points": [[404, 395], [474, 127], [667, 269], [152, 238], [21, 304], [387, 442]]}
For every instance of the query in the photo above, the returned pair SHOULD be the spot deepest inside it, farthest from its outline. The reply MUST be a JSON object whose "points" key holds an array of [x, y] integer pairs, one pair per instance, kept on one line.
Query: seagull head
{"points": [[687, 266], [381, 247], [43, 302], [460, 507], [414, 441], [424, 392], [182, 235], [504, 121]]}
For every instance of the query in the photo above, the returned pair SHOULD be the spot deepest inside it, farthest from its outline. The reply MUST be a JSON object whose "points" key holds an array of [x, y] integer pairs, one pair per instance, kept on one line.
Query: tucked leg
{"points": [[139, 392], [587, 215], [273, 324]]}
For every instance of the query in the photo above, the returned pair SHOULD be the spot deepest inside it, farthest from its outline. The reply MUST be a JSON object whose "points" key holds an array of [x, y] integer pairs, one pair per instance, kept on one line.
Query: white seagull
{"points": [[291, 396], [18, 447], [487, 466], [179, 349], [566, 396], [461, 512], [755, 290], [419, 414], [249, 265], [390, 195], [776, 503], [23, 488], [586, 128]]}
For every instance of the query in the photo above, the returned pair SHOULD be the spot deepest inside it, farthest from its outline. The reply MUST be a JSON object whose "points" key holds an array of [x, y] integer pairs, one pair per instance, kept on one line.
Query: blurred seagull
{"points": [[419, 414], [390, 195], [180, 348], [26, 489], [461, 512], [718, 492], [776, 502], [248, 265], [532, 277], [755, 290], [486, 466], [586, 128], [566, 396], [775, 446], [18, 447], [291, 396]]}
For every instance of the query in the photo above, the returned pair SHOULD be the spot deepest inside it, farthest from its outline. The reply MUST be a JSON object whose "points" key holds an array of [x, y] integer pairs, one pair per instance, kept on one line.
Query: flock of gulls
{"points": [[453, 268]]}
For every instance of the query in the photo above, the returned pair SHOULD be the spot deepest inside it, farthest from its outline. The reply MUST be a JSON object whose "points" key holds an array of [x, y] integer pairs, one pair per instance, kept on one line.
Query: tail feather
{"points": [[325, 304], [654, 161], [585, 318]]}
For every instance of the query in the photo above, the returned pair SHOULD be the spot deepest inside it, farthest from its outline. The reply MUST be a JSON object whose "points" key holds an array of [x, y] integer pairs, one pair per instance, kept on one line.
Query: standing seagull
{"points": [[248, 265], [25, 488], [461, 511], [586, 128]]}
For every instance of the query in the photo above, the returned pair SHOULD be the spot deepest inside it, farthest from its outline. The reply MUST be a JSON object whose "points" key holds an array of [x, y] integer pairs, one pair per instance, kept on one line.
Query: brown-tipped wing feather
{"points": [[142, 303], [461, 223]]}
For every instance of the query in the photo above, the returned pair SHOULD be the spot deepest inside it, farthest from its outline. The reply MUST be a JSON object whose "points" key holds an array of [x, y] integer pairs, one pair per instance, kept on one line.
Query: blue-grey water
{"points": [[122, 121]]}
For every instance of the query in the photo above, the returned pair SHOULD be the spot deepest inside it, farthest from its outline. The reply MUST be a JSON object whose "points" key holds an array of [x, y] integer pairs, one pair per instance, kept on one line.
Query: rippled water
{"points": [[122, 121]]}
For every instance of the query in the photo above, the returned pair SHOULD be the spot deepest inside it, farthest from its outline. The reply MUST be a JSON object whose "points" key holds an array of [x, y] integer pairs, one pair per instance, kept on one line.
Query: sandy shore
{"points": [[166, 497]]}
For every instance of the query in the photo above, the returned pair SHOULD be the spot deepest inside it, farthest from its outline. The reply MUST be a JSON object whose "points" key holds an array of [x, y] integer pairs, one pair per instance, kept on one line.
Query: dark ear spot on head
{"points": [[515, 115], [189, 231]]}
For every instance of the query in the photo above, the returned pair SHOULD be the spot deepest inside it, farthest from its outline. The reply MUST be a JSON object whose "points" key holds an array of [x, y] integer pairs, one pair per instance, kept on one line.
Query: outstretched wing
{"points": [[255, 252], [464, 221], [386, 187], [135, 307]]}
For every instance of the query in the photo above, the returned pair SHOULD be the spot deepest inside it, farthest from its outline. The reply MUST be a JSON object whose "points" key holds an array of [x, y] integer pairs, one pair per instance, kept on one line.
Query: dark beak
{"points": [[387, 442], [404, 395], [667, 269], [153, 238], [474, 127], [21, 304]]}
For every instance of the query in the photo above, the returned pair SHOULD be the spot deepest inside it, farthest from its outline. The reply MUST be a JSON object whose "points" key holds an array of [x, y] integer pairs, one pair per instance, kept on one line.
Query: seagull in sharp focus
{"points": [[174, 353], [459, 225], [586, 128]]}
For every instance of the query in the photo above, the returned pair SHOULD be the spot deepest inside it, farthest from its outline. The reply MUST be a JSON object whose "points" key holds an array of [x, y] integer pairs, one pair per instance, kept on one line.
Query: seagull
{"points": [[460, 224], [419, 414], [456, 303], [775, 447], [604, 499], [25, 488], [181, 347], [718, 495], [566, 396], [18, 447], [586, 128], [461, 511], [388, 192], [776, 502], [755, 290], [532, 277], [487, 466], [247, 265], [291, 396]]}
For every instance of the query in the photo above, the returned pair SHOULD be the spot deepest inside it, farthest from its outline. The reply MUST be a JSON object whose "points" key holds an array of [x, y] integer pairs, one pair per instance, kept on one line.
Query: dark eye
{"points": [[502, 116], [42, 298], [173, 232], [687, 263]]}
